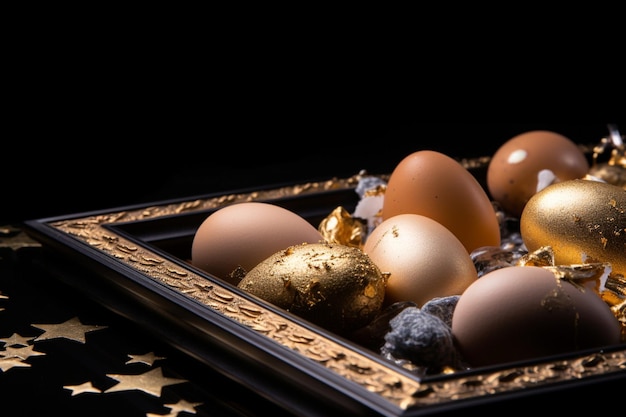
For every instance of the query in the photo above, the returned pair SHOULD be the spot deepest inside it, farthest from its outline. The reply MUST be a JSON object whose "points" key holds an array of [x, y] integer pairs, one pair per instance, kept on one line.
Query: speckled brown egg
{"points": [[526, 312], [528, 162]]}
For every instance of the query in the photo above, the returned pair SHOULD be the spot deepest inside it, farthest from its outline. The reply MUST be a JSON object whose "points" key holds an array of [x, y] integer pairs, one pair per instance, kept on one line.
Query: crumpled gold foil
{"points": [[376, 191], [612, 170], [592, 275], [544, 256], [615, 296], [340, 227]]}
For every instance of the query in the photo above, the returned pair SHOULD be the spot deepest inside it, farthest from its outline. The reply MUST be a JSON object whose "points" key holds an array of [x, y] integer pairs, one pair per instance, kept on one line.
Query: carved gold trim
{"points": [[396, 387]]}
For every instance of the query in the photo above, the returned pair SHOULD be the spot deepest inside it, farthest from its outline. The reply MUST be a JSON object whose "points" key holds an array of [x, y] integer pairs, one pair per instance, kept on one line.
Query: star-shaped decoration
{"points": [[16, 340], [151, 382], [175, 409], [148, 358], [82, 388], [12, 362], [71, 329], [22, 352], [183, 405]]}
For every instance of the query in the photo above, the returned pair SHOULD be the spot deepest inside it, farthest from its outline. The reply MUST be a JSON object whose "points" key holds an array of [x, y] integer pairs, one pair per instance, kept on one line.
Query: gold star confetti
{"points": [[175, 409], [8, 363], [22, 352], [148, 358], [16, 340], [82, 388], [72, 329], [150, 382], [183, 405]]}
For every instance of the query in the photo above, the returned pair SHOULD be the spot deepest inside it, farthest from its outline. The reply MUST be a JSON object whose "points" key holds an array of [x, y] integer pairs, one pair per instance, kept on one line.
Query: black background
{"points": [[65, 165]]}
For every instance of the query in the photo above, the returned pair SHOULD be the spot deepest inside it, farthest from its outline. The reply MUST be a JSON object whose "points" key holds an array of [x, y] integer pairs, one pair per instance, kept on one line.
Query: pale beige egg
{"points": [[526, 312], [243, 234], [424, 259]]}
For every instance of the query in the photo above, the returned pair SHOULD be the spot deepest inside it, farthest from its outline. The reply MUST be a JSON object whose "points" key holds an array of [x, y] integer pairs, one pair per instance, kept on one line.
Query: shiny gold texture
{"points": [[592, 276], [615, 296], [584, 221], [544, 256], [340, 227], [333, 285]]}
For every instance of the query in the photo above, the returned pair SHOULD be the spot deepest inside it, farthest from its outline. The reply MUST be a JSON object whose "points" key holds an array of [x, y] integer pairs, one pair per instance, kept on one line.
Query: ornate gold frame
{"points": [[399, 392]]}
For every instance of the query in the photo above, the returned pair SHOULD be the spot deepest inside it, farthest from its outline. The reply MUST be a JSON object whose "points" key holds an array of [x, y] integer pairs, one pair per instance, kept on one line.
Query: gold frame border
{"points": [[405, 392]]}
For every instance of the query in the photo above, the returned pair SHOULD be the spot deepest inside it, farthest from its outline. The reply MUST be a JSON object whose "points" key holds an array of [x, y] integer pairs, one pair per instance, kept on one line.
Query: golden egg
{"points": [[335, 286], [584, 221]]}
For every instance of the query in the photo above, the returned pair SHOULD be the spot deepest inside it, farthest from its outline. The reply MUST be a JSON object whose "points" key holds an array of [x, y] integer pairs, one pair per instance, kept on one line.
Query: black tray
{"points": [[135, 261]]}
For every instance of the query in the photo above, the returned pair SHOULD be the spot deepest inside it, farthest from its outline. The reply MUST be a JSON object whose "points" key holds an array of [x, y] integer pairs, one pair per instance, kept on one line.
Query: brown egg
{"points": [[437, 186], [584, 221], [424, 259], [335, 286], [528, 162], [244, 234], [526, 312]]}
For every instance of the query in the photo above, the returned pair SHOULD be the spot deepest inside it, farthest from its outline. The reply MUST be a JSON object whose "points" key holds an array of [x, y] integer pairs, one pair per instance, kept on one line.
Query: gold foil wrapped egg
{"points": [[584, 221], [335, 286]]}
